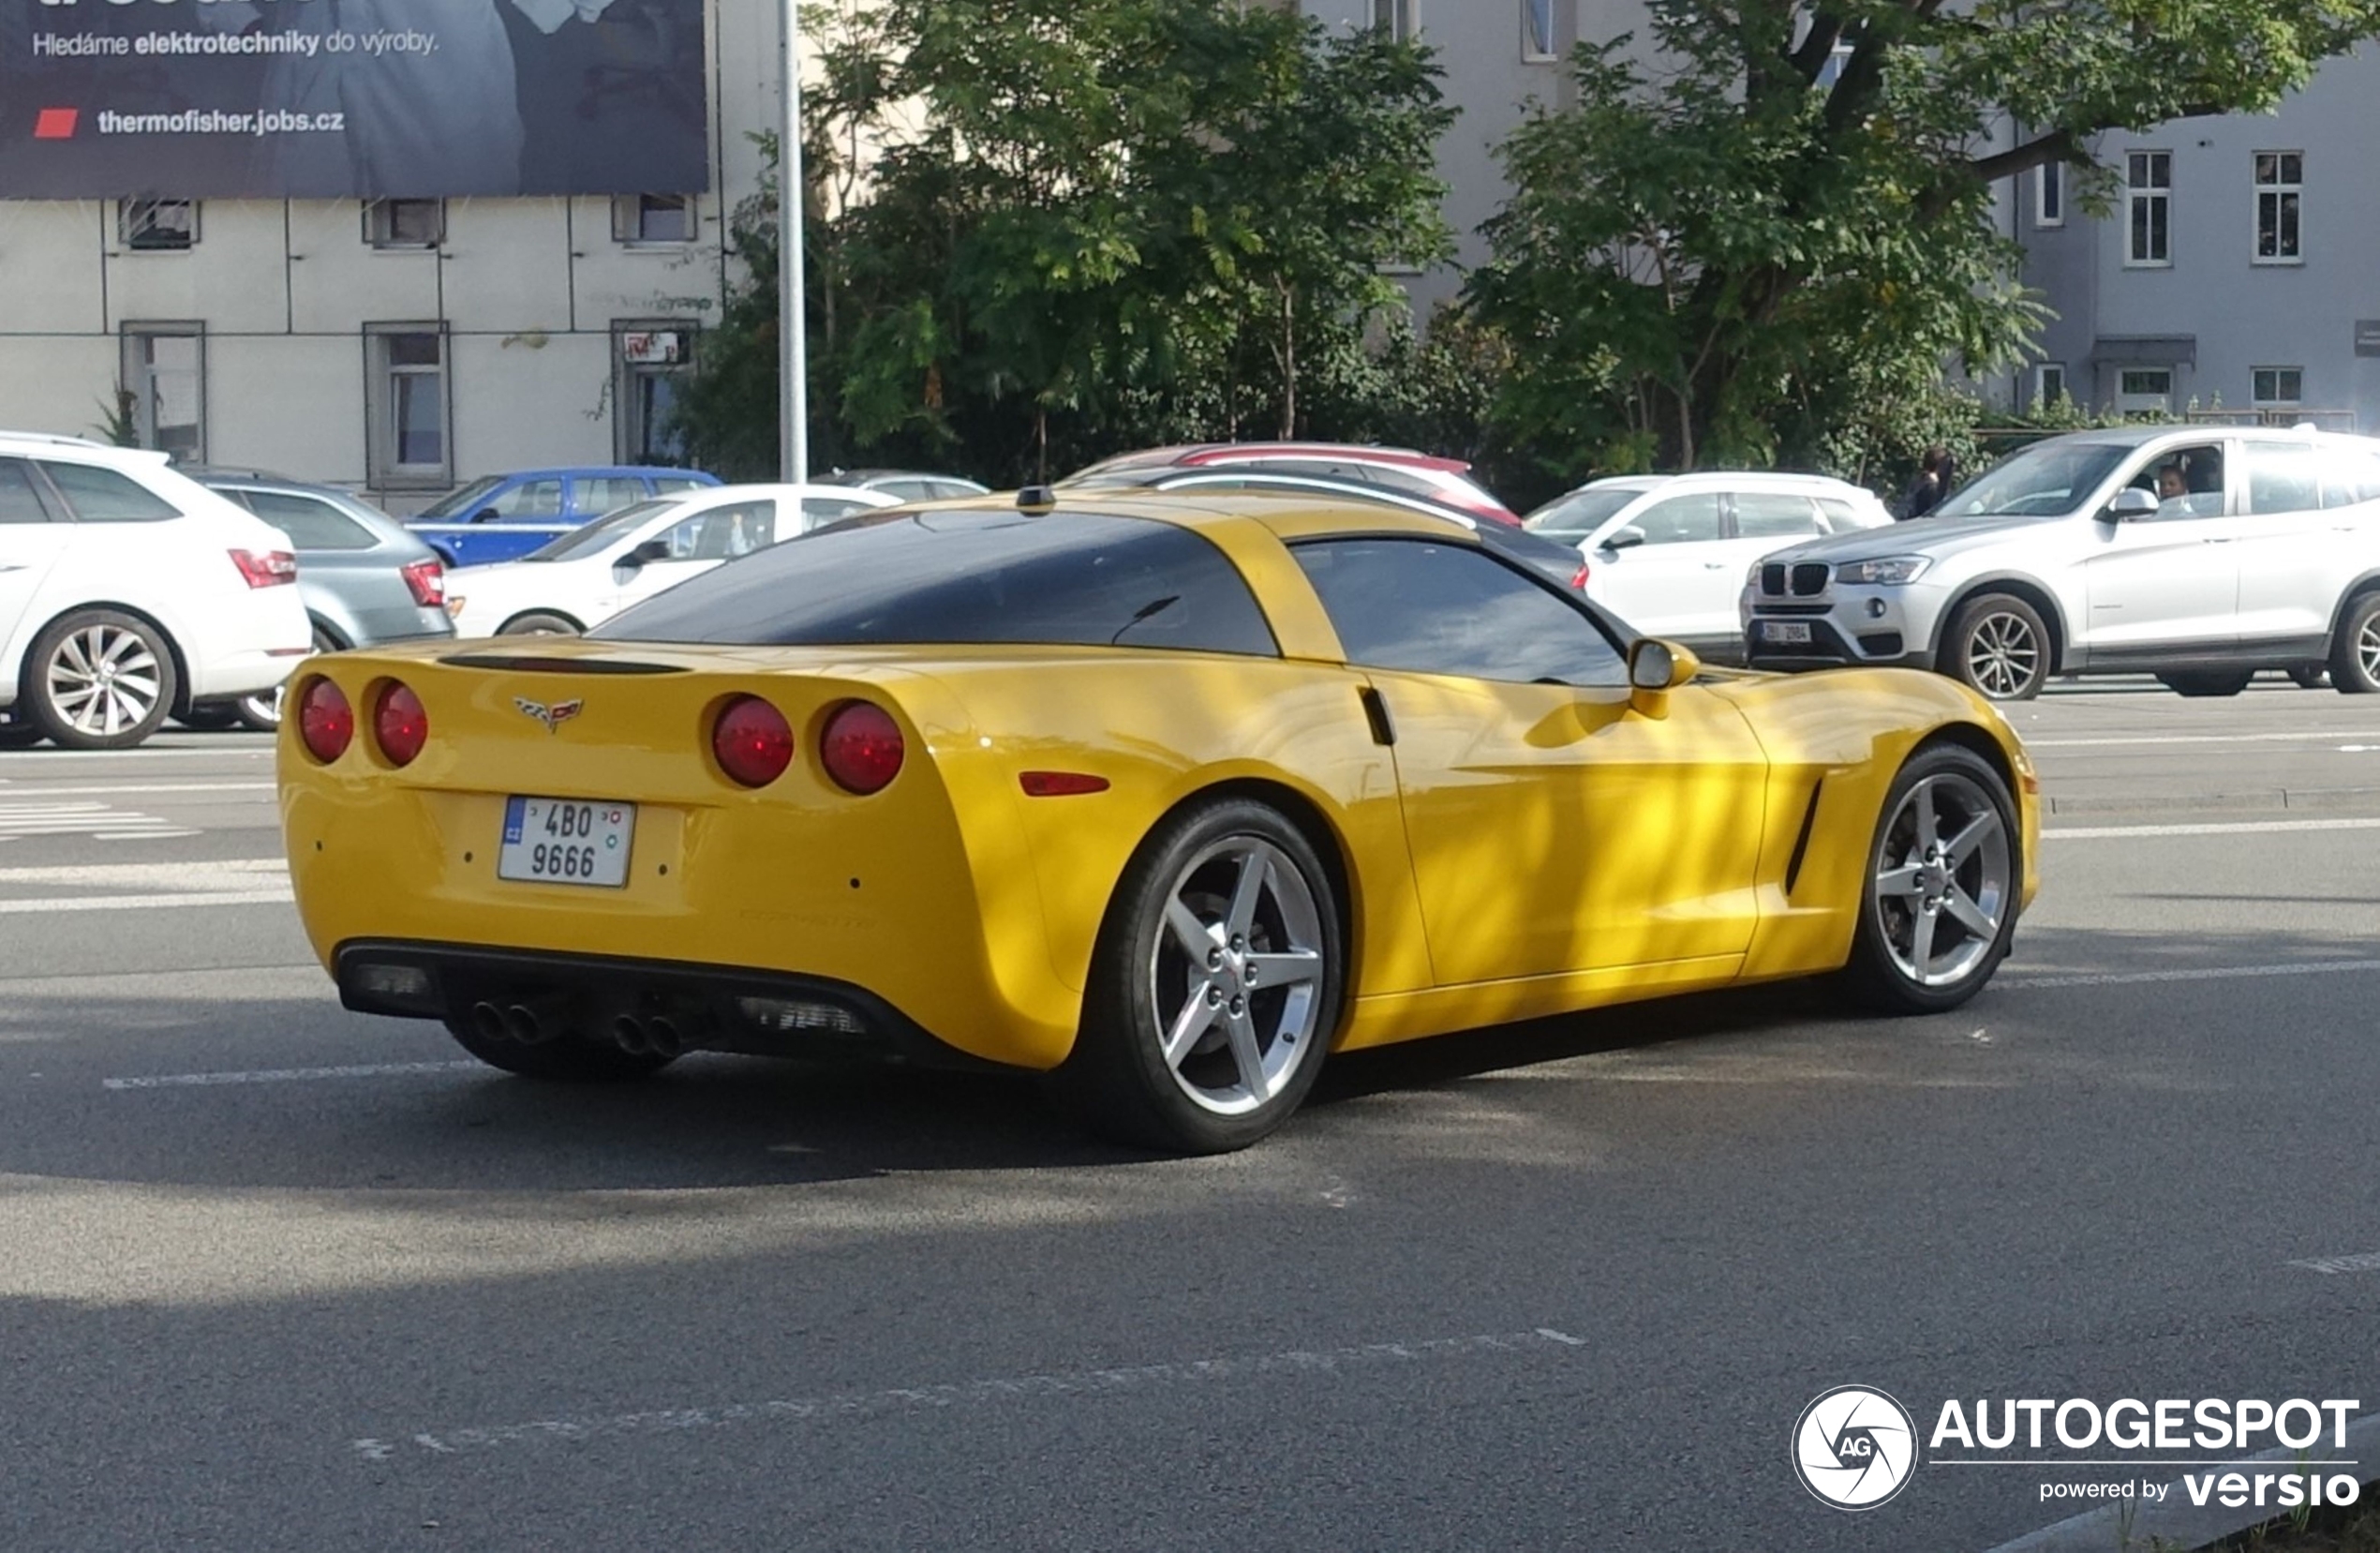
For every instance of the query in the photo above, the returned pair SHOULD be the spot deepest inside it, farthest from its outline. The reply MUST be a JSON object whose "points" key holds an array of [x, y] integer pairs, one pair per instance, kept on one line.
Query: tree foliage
{"points": [[1764, 237], [1041, 229]]}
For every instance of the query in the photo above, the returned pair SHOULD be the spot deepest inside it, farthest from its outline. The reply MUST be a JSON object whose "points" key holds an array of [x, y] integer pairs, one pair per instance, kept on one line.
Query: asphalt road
{"points": [[277, 1277]]}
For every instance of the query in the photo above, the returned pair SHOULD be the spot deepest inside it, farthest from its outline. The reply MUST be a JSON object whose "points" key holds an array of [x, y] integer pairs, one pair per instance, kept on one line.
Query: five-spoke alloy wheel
{"points": [[1216, 985], [1943, 885], [102, 679]]}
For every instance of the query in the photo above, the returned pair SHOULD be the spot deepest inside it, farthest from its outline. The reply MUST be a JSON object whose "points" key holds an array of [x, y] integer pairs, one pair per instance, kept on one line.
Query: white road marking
{"points": [[850, 1404], [2210, 973], [2299, 737], [38, 818], [16, 791], [2221, 827], [289, 1075], [2364, 1262], [244, 749], [139, 835], [147, 903], [192, 876]]}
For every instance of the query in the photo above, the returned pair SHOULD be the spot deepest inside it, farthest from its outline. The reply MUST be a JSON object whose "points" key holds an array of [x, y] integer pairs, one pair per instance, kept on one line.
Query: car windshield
{"points": [[2046, 479], [461, 500], [601, 534], [1579, 513]]}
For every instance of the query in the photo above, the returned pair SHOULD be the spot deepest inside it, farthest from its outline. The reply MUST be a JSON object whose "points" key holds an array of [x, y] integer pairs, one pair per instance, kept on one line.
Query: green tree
{"points": [[1779, 225]]}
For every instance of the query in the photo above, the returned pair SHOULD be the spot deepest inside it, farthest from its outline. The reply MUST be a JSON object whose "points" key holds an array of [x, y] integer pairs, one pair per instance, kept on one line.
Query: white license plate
{"points": [[566, 841], [1784, 631]]}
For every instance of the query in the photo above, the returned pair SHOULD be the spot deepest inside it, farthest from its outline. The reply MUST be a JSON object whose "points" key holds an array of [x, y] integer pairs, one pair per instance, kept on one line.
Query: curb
{"points": [[2275, 799], [2175, 1523]]}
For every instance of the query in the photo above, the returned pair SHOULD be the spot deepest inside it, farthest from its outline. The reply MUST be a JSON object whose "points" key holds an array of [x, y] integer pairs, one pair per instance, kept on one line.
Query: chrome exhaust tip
{"points": [[488, 1020]]}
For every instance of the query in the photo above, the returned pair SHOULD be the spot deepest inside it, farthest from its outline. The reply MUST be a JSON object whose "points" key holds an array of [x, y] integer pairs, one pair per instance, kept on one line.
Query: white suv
{"points": [[2198, 554], [1667, 552], [128, 591]]}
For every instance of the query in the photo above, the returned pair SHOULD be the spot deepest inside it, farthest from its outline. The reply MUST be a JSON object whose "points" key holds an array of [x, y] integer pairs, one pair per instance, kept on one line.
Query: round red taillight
{"points": [[326, 723], [752, 742], [400, 724], [861, 748]]}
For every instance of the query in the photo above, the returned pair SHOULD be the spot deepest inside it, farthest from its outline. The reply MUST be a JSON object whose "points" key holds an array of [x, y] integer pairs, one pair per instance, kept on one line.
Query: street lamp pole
{"points": [[793, 334]]}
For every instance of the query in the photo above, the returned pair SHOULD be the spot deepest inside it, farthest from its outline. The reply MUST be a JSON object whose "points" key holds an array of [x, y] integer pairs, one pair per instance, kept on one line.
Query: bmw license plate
{"points": [[566, 842], [1784, 631]]}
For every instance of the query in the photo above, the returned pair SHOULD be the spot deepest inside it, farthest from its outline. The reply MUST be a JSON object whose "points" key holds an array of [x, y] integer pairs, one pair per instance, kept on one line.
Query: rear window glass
{"points": [[311, 524], [1062, 578], [103, 496]]}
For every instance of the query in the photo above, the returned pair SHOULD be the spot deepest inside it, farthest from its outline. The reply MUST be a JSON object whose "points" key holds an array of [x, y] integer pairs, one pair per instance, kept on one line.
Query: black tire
{"points": [[1145, 982], [1998, 645], [2204, 682], [540, 623], [569, 1058], [17, 734], [1876, 975], [208, 718], [262, 712], [128, 701], [2355, 652], [2311, 676]]}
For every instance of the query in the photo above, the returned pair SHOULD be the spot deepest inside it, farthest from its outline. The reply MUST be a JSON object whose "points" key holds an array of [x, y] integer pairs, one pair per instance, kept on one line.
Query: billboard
{"points": [[351, 99]]}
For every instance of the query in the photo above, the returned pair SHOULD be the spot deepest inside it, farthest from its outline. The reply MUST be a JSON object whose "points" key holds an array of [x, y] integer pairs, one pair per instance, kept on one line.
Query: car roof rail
{"points": [[59, 438]]}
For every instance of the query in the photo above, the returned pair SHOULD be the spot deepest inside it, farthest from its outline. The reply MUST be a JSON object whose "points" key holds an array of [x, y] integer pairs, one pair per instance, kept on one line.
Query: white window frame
{"points": [[137, 224], [1839, 59], [2280, 190], [1400, 18], [2276, 400], [2124, 396], [382, 398], [2049, 196], [139, 379], [2049, 383], [379, 226], [2152, 196], [1530, 52], [627, 404], [627, 222]]}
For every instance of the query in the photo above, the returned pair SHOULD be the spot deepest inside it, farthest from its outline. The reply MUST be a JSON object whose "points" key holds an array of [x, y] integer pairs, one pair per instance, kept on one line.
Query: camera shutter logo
{"points": [[1854, 1447]]}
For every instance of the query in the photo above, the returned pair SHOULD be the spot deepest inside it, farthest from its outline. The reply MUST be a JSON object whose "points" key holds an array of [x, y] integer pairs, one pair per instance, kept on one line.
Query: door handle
{"points": [[2218, 540], [1713, 566]]}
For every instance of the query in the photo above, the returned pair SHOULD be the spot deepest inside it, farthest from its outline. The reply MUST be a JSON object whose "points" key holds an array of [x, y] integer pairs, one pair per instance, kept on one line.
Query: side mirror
{"points": [[1655, 668], [2130, 502], [650, 551], [1625, 537], [486, 515]]}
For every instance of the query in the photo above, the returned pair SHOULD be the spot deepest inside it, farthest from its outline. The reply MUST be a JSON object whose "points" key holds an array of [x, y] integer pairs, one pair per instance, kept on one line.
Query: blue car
{"points": [[505, 517]]}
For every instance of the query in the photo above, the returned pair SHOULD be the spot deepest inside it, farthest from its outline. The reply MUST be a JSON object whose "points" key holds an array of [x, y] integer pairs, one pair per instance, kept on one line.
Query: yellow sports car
{"points": [[1164, 796]]}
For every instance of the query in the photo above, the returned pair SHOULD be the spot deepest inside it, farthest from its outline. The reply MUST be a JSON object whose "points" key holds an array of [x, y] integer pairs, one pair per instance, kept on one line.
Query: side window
{"points": [[1680, 519], [2186, 481], [819, 511], [311, 524], [2349, 476], [596, 494], [19, 501], [1764, 515], [2283, 477], [103, 496], [664, 484], [1840, 517], [723, 533], [529, 501], [1433, 608]]}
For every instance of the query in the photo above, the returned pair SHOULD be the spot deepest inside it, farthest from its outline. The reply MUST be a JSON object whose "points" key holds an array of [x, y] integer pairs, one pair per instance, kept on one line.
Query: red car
{"points": [[1445, 481]]}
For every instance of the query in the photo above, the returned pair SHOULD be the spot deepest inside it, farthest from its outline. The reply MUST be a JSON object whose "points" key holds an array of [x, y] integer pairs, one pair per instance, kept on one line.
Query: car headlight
{"points": [[1752, 577], [1888, 571]]}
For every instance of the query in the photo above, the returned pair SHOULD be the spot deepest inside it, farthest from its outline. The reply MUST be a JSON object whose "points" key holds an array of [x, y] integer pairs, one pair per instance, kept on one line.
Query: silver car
{"points": [[2199, 554], [366, 579]]}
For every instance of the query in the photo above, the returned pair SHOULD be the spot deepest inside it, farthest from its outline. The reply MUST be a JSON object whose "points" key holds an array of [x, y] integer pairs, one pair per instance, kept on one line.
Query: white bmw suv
{"points": [[2199, 554], [129, 593]]}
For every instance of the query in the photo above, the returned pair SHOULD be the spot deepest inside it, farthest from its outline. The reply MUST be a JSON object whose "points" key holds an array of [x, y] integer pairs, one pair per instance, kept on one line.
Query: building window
{"points": [[404, 223], [405, 404], [2149, 177], [2050, 195], [653, 219], [2049, 383], [652, 357], [158, 225], [2145, 390], [1400, 18], [2277, 387], [164, 379], [2281, 177], [1839, 59], [1537, 30]]}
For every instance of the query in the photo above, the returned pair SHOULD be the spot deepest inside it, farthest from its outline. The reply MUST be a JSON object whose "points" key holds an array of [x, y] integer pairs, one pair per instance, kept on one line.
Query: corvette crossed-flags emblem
{"points": [[553, 716]]}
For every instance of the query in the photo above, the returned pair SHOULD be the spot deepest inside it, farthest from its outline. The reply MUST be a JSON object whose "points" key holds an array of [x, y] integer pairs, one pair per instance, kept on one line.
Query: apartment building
{"points": [[2233, 271], [503, 290]]}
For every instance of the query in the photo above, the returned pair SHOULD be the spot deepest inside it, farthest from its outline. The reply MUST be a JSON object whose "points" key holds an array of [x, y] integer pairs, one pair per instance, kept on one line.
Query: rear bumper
{"points": [[703, 1008]]}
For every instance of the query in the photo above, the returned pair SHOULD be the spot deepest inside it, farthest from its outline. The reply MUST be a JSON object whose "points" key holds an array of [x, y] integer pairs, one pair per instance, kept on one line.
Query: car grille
{"points": [[1802, 578]]}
